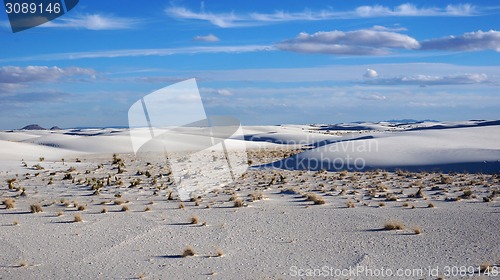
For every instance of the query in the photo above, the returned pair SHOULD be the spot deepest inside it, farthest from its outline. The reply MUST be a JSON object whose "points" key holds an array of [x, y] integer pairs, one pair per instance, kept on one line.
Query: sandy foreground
{"points": [[120, 217]]}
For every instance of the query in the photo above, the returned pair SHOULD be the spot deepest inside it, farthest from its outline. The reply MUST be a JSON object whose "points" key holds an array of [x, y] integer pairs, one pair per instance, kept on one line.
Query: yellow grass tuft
{"points": [[393, 225], [188, 252]]}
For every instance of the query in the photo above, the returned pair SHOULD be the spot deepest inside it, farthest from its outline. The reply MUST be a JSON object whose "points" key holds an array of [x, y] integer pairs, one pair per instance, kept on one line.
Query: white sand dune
{"points": [[472, 149], [135, 226]]}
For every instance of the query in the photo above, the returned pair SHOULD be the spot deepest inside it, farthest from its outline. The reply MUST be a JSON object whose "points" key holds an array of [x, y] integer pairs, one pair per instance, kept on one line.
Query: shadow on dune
{"points": [[297, 162], [439, 126]]}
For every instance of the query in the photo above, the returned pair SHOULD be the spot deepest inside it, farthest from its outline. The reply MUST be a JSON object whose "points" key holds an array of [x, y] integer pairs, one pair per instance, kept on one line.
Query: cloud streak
{"points": [[359, 42], [429, 80], [146, 52], [231, 20], [93, 22], [207, 38], [18, 75], [472, 41]]}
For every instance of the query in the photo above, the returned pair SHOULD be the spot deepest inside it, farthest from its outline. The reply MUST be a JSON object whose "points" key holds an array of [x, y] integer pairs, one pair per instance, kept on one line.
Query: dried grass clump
{"points": [[430, 205], [78, 218], [256, 196], [315, 198], [36, 208], [181, 205], [238, 203], [104, 210], [219, 252], [188, 252], [125, 208], [194, 220], [82, 208], [417, 230], [350, 204], [147, 209], [9, 203], [394, 225], [119, 201]]}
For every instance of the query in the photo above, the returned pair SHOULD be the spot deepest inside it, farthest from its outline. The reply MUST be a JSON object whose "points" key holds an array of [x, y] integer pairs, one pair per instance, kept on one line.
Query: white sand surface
{"points": [[277, 234]]}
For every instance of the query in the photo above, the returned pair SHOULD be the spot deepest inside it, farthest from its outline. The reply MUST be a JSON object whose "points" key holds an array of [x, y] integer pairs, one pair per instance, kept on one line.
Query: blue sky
{"points": [[264, 62]]}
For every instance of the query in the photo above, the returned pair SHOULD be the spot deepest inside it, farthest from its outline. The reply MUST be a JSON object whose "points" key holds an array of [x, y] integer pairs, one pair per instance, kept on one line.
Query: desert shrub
{"points": [[194, 220], [11, 182], [417, 230], [393, 225], [77, 218], [188, 252], [36, 208], [256, 196], [238, 203], [9, 203], [467, 194]]}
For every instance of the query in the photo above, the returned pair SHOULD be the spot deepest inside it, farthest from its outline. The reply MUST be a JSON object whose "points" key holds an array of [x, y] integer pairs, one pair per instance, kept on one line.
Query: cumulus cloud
{"points": [[207, 38], [472, 41], [358, 42], [428, 80], [228, 20], [370, 73], [93, 22], [18, 75]]}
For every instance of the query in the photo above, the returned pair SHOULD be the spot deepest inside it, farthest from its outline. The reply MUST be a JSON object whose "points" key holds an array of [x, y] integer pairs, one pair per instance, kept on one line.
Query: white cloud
{"points": [[207, 38], [146, 52], [429, 80], [472, 41], [358, 42], [370, 73], [16, 75], [372, 97], [93, 22], [227, 20], [221, 20], [224, 92], [385, 28]]}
